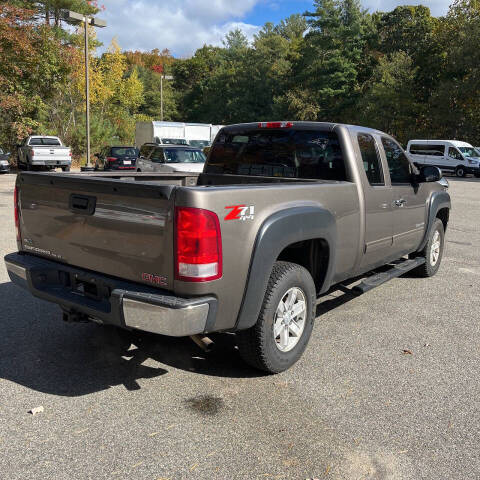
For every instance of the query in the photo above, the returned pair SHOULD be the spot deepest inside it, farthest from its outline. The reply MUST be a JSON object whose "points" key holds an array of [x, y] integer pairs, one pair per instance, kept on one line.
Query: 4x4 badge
{"points": [[241, 212]]}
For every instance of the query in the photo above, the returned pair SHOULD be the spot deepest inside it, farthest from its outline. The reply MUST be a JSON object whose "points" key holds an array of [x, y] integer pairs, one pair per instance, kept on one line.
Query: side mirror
{"points": [[430, 173]]}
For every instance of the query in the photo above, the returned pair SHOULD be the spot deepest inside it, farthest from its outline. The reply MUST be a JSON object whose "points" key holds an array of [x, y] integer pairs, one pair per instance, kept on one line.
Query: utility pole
{"points": [[76, 19], [163, 77], [87, 92]]}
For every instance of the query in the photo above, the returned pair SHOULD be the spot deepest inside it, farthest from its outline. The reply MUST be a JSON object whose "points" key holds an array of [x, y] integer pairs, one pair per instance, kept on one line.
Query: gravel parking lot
{"points": [[355, 407]]}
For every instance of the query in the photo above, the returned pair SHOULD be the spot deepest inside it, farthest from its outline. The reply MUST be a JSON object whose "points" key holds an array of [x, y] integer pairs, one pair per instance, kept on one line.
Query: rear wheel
{"points": [[433, 251], [460, 171], [285, 323], [66, 169]]}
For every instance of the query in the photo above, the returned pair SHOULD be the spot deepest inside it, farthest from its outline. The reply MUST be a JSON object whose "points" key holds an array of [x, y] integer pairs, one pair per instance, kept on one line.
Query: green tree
{"points": [[388, 104], [332, 57]]}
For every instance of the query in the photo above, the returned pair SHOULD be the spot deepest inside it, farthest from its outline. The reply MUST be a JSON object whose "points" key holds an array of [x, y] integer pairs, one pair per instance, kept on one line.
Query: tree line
{"points": [[404, 72]]}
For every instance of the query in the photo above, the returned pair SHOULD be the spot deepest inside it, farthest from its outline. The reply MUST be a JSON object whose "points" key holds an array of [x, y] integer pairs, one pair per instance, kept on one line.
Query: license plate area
{"points": [[86, 288], [74, 287]]}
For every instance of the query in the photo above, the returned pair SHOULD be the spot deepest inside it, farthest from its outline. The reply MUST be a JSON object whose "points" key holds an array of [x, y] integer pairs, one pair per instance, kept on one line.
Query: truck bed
{"points": [[122, 224]]}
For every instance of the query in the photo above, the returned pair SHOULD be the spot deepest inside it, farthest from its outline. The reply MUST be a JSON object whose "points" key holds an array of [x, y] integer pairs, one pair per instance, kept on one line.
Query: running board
{"points": [[380, 278]]}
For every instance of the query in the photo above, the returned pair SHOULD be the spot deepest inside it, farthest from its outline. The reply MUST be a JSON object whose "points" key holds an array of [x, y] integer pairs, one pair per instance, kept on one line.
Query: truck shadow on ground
{"points": [[38, 350]]}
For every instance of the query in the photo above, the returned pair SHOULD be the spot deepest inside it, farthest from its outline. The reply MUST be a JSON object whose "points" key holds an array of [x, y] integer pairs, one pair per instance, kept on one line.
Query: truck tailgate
{"points": [[51, 153], [118, 228]]}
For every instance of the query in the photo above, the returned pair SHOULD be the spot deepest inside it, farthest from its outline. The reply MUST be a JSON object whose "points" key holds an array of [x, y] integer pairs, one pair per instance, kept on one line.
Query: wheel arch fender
{"points": [[281, 229], [438, 201]]}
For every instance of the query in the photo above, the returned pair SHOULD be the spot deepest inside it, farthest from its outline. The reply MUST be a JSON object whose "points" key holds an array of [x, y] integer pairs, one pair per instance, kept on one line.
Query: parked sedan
{"points": [[4, 162], [117, 158], [172, 158]]}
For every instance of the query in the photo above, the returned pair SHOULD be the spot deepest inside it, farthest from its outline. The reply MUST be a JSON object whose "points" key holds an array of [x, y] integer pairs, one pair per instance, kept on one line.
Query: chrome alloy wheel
{"points": [[289, 321], [435, 248]]}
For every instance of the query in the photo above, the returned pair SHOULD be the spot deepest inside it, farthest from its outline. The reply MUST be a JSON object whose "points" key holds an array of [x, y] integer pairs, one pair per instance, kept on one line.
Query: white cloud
{"points": [[437, 7], [182, 26]]}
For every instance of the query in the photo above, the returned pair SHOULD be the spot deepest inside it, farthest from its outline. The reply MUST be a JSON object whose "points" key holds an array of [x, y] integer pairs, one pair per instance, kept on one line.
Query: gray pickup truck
{"points": [[283, 212]]}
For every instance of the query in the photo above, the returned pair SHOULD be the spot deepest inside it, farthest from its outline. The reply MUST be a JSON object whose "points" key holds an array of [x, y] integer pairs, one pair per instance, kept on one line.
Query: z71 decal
{"points": [[241, 212]]}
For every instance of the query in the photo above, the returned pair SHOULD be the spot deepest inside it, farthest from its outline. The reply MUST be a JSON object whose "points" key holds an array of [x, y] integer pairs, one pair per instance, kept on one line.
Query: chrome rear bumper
{"points": [[126, 304]]}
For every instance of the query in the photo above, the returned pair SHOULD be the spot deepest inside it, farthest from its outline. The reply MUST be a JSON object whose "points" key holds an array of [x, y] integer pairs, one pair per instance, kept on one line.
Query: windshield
{"points": [[174, 141], [180, 155], [199, 143], [469, 152], [125, 152]]}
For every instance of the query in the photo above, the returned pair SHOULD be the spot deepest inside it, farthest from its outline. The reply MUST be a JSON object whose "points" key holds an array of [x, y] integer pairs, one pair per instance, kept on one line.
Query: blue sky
{"points": [[182, 26]]}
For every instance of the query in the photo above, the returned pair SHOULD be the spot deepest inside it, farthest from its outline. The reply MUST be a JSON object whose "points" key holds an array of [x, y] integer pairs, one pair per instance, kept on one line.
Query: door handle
{"points": [[82, 204], [400, 202]]}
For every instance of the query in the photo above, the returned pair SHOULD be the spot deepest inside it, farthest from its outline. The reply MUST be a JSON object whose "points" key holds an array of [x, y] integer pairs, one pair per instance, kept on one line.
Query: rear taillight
{"points": [[275, 124], [112, 159], [16, 212], [198, 245]]}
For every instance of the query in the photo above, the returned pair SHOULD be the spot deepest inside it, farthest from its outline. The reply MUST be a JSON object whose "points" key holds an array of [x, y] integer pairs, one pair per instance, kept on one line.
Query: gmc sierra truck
{"points": [[282, 213]]}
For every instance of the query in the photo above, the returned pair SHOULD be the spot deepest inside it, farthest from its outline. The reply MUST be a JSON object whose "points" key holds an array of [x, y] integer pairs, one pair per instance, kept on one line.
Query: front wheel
{"points": [[477, 175], [285, 323], [460, 172], [433, 251]]}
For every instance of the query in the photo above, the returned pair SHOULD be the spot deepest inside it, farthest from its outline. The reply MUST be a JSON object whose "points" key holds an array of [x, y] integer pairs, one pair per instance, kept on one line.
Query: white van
{"points": [[451, 156]]}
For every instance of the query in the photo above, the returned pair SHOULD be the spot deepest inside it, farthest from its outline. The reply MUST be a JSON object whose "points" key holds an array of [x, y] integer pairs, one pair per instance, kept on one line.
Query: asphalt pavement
{"points": [[387, 389]]}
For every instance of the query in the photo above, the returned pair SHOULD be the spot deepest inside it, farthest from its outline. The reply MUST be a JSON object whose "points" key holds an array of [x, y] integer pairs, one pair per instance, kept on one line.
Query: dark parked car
{"points": [[117, 158], [4, 162]]}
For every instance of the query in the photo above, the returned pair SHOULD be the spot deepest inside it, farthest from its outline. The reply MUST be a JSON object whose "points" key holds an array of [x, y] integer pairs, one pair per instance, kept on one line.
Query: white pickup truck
{"points": [[43, 153]]}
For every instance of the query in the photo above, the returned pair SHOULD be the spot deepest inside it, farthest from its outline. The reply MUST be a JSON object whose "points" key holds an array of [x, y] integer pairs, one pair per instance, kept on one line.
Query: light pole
{"points": [[78, 18], [163, 77]]}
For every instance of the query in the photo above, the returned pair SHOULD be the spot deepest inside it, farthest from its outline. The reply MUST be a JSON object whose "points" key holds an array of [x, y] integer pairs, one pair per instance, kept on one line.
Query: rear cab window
{"points": [[372, 163], [42, 141], [398, 164], [124, 152], [288, 153], [183, 155]]}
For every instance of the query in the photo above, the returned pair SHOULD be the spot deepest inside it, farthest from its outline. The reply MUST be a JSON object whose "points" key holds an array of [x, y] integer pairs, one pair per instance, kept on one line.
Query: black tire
{"points": [[257, 345], [428, 269], [460, 171], [138, 170], [477, 175], [66, 169]]}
